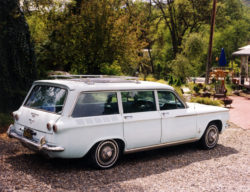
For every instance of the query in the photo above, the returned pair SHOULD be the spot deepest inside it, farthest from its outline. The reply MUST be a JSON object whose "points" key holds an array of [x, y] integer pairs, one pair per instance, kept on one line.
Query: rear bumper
{"points": [[38, 146]]}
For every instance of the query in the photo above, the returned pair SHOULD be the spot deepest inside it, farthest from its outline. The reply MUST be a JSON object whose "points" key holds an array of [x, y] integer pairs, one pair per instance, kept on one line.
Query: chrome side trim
{"points": [[160, 145], [197, 114], [186, 115], [212, 112], [29, 143]]}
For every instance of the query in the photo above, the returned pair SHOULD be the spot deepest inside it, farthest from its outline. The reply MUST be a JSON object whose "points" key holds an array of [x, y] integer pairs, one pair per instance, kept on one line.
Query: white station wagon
{"points": [[105, 117]]}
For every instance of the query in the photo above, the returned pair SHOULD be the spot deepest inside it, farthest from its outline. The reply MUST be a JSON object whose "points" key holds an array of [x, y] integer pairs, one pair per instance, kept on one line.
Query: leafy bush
{"points": [[113, 69], [162, 81], [206, 101], [196, 89], [229, 88], [171, 80], [205, 89], [150, 78], [5, 121], [178, 82], [228, 80]]}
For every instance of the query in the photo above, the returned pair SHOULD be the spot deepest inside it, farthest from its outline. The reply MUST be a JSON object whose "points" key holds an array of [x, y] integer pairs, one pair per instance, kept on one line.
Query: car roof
{"points": [[102, 84]]}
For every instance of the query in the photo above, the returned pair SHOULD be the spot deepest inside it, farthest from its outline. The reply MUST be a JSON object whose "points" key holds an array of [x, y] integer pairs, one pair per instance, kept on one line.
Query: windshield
{"points": [[48, 98]]}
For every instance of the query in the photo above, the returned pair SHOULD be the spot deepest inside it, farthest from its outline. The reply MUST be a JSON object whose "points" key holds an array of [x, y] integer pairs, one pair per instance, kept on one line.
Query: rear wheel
{"points": [[210, 138], [105, 154]]}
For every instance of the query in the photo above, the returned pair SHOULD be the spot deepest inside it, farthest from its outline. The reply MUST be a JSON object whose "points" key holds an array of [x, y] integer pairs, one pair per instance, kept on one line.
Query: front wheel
{"points": [[105, 154], [210, 138]]}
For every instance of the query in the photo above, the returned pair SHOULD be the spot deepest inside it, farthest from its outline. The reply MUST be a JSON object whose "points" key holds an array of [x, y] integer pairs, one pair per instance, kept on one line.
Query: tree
{"points": [[182, 17], [231, 38], [101, 33], [107, 36], [17, 66]]}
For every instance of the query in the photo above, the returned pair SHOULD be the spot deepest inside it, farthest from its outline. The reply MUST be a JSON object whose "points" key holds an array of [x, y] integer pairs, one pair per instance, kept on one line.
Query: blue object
{"points": [[222, 60]]}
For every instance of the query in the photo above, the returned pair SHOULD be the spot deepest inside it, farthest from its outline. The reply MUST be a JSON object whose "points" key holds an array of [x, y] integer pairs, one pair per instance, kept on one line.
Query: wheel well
{"points": [[218, 123], [120, 142]]}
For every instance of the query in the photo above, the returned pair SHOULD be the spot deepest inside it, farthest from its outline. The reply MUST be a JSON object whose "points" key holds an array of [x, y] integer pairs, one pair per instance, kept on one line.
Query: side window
{"points": [[95, 104], [168, 100], [138, 101]]}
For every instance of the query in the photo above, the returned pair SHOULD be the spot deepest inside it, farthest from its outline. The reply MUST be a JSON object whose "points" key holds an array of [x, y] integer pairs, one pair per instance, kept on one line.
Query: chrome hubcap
{"points": [[107, 153], [212, 136]]}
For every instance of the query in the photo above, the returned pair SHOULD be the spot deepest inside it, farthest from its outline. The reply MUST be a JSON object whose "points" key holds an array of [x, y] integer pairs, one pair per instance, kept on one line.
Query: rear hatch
{"points": [[36, 119], [43, 105]]}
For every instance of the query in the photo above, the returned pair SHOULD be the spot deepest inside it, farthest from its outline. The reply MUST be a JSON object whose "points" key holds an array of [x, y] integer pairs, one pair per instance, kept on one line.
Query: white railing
{"points": [[92, 79], [93, 76]]}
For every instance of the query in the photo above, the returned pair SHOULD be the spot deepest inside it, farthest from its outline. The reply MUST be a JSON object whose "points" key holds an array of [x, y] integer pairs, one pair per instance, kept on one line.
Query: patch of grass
{"points": [[206, 101], [5, 121], [162, 81], [229, 89], [150, 78]]}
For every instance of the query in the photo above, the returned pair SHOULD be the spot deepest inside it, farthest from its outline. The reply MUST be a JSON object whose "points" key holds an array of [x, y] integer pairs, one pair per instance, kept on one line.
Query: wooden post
{"points": [[247, 70], [209, 58]]}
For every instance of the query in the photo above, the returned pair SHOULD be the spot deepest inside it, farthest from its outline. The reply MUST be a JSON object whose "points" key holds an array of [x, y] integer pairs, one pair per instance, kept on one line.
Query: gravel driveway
{"points": [[181, 168]]}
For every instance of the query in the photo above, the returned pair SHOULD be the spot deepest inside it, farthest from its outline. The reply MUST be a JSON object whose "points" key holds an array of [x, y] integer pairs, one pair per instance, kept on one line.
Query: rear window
{"points": [[48, 98]]}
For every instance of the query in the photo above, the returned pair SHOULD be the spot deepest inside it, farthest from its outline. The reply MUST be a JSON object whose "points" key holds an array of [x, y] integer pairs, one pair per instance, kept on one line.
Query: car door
{"points": [[178, 121], [142, 122]]}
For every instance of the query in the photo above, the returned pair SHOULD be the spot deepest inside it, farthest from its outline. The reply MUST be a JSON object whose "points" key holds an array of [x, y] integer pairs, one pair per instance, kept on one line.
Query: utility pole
{"points": [[209, 58]]}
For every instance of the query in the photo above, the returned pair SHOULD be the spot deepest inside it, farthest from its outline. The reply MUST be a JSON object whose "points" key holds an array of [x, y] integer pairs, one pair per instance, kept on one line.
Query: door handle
{"points": [[165, 113], [128, 116]]}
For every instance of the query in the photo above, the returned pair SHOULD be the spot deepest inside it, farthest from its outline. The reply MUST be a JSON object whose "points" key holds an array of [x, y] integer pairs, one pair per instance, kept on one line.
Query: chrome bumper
{"points": [[31, 144]]}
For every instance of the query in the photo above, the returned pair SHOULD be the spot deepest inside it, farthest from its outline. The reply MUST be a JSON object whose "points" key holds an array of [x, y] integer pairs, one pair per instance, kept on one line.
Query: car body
{"points": [[69, 118]]}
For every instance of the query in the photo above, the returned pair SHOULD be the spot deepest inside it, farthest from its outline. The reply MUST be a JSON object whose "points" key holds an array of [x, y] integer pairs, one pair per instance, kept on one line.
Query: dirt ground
{"points": [[181, 168]]}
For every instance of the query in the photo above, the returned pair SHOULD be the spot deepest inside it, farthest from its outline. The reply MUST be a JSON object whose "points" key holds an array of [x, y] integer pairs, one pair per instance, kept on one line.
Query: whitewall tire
{"points": [[210, 138], [105, 154]]}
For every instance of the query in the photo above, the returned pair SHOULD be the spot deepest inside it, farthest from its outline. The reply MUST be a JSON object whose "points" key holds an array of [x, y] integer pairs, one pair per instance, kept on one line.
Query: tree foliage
{"points": [[101, 33], [161, 38], [108, 36], [182, 17], [17, 66]]}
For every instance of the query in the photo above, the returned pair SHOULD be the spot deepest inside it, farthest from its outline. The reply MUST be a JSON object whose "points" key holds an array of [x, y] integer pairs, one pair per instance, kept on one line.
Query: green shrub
{"points": [[229, 89], [162, 81], [204, 89], [5, 121], [200, 85], [228, 80], [234, 86], [213, 81], [171, 80], [206, 101], [196, 88], [113, 69], [150, 78], [178, 82]]}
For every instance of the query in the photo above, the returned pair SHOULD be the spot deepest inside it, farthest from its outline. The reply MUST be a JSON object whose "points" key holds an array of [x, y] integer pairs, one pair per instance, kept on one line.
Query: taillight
{"points": [[49, 126], [55, 128]]}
